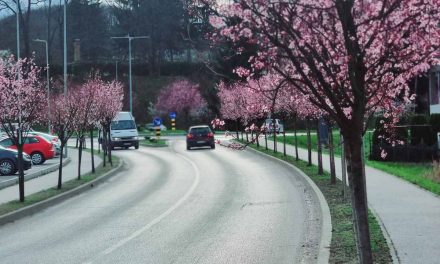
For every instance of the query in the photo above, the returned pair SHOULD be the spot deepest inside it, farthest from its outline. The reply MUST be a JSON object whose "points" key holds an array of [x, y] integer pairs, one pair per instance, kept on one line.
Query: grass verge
{"points": [[48, 193], [153, 142], [343, 243], [415, 173]]}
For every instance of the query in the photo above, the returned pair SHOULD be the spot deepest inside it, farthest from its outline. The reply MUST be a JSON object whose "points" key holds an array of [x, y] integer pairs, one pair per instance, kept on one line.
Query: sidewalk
{"points": [[410, 215], [49, 180]]}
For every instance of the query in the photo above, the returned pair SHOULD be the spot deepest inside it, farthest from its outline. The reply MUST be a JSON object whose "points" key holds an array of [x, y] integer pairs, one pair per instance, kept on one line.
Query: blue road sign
{"points": [[157, 121], [172, 115]]}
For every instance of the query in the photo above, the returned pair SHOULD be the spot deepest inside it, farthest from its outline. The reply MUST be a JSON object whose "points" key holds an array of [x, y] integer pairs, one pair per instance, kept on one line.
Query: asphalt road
{"points": [[171, 205]]}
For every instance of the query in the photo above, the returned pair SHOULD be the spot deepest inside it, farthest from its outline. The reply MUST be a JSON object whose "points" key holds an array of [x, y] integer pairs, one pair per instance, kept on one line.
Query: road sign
{"points": [[172, 115], [157, 121]]}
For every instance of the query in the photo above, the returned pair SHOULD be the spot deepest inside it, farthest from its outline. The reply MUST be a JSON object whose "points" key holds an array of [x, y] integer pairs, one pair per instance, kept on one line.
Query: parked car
{"points": [[199, 136], [9, 161], [52, 138], [278, 127], [37, 147]]}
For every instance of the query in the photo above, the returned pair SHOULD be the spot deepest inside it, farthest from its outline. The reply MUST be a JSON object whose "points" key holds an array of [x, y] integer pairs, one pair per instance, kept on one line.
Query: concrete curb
{"points": [[393, 251], [52, 168], [32, 209], [326, 235]]}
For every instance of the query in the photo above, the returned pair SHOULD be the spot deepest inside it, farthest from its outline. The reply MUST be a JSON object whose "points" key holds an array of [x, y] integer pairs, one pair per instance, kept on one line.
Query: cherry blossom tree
{"points": [[182, 97], [109, 97], [63, 118], [22, 104], [351, 57], [86, 119]]}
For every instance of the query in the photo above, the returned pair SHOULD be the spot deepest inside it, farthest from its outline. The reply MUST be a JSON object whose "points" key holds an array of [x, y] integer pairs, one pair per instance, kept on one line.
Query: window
{"points": [[6, 142], [123, 124], [30, 140], [200, 130]]}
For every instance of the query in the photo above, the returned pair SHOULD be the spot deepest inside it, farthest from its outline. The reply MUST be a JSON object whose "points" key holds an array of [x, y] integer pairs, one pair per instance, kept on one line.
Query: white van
{"points": [[278, 128], [123, 131]]}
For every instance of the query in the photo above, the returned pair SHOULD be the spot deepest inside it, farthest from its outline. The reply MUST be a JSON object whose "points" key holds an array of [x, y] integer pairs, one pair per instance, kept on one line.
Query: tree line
{"points": [[172, 28]]}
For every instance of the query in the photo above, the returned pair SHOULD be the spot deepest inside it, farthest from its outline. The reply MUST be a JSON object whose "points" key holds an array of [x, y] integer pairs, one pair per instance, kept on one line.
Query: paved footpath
{"points": [[410, 215], [70, 171]]}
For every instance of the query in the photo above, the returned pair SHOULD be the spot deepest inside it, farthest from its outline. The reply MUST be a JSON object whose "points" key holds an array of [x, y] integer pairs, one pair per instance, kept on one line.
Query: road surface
{"points": [[171, 205]]}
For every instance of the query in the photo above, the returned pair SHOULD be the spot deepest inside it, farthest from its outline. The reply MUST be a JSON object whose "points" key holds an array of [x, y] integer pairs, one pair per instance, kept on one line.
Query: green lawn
{"points": [[412, 172], [153, 142], [46, 194], [343, 243]]}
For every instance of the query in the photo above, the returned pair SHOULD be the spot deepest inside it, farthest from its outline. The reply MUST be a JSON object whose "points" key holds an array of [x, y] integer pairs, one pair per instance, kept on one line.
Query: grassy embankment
{"points": [[416, 173]]}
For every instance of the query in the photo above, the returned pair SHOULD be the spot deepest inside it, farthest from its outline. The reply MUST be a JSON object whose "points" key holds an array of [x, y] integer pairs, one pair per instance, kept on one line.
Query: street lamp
{"points": [[18, 28], [129, 64], [65, 49], [48, 79]]}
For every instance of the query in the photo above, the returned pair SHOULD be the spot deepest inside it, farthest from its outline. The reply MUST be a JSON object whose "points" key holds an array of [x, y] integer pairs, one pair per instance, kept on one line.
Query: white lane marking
{"points": [[157, 219]]}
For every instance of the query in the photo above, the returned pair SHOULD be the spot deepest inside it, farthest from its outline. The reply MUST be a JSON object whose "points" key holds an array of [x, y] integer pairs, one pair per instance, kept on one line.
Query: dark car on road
{"points": [[9, 161], [200, 136]]}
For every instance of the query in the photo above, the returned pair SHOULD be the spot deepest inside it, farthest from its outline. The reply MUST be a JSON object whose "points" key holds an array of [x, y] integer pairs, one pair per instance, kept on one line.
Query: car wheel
{"points": [[37, 158], [7, 167], [136, 147], [213, 146], [188, 147]]}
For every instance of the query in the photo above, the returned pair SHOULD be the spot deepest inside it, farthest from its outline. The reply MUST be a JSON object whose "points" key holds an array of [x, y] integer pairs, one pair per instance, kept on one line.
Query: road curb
{"points": [[37, 207], [52, 168], [326, 234]]}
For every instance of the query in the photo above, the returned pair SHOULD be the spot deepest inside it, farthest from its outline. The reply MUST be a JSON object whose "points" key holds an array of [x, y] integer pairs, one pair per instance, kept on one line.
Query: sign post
{"points": [[157, 121], [173, 120]]}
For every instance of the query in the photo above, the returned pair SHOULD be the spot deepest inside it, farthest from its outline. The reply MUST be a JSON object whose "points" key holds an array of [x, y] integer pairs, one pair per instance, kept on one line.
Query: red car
{"points": [[37, 147]]}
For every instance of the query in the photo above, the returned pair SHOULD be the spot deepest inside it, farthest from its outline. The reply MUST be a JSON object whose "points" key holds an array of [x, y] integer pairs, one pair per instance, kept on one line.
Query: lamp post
{"points": [[48, 79], [18, 28], [130, 38], [65, 49]]}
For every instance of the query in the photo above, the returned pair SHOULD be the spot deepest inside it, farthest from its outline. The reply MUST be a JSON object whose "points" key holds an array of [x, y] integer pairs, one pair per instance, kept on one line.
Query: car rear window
{"points": [[200, 130]]}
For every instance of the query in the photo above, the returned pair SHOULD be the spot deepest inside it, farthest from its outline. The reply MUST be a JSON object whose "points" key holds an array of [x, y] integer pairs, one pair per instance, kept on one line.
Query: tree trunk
{"points": [[80, 156], [274, 136], [104, 147], [296, 139], [99, 141], [256, 138], [284, 137], [236, 127], [343, 165], [247, 138], [92, 150], [358, 193], [20, 172], [318, 141], [109, 147], [332, 154], [309, 143], [60, 167], [265, 139]]}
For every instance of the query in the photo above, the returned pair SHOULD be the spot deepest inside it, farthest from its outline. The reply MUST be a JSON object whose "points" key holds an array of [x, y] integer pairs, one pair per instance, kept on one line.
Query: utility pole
{"points": [[130, 38], [48, 79]]}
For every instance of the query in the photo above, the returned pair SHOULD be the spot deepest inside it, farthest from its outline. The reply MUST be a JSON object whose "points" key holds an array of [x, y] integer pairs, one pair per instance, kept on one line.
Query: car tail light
{"points": [[210, 134], [190, 136]]}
